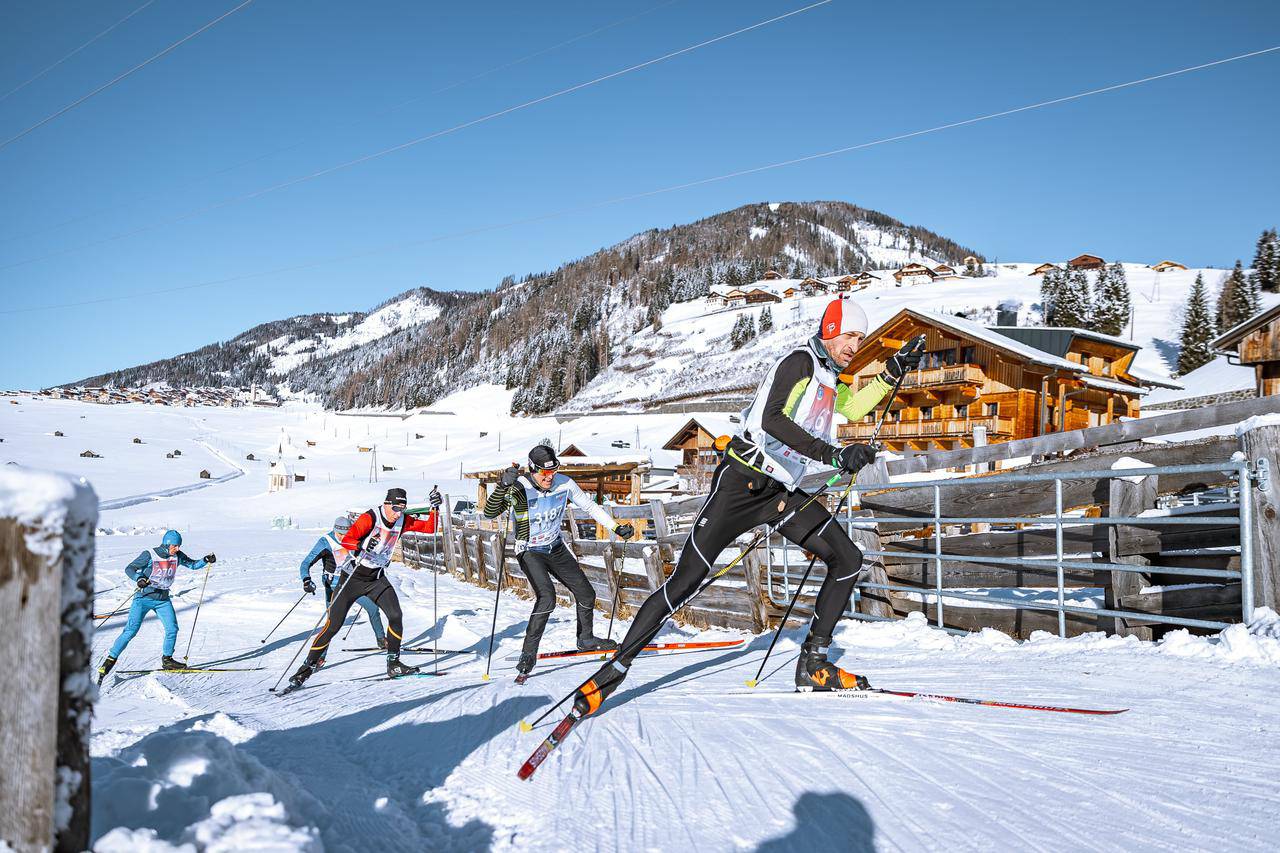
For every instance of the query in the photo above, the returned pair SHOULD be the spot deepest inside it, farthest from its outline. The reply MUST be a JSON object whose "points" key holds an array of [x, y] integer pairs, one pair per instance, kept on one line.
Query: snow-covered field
{"points": [[683, 757]]}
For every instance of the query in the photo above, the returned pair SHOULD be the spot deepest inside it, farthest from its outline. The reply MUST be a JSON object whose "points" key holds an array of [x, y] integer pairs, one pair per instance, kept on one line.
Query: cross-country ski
{"points": [[726, 427]]}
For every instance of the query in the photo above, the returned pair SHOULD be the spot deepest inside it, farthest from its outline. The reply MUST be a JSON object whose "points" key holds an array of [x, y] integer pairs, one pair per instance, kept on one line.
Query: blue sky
{"points": [[1181, 168]]}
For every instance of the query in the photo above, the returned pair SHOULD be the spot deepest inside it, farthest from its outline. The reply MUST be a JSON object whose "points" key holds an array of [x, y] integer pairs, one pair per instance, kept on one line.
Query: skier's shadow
{"points": [[362, 782], [836, 822], [687, 672]]}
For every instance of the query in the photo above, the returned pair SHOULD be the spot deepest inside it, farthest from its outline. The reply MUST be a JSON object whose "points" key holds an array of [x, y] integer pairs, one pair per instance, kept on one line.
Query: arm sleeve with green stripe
{"points": [[515, 498], [790, 380], [856, 405]]}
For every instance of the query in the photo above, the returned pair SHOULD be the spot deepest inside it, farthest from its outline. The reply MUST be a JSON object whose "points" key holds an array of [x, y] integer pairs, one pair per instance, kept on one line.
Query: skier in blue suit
{"points": [[154, 572], [328, 550]]}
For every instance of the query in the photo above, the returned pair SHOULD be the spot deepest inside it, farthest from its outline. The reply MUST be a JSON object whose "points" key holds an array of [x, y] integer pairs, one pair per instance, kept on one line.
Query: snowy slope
{"points": [[679, 759], [690, 355], [414, 309]]}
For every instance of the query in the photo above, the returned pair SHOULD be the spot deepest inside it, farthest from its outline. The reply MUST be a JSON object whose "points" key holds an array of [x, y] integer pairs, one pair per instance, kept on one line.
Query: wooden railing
{"points": [[934, 427], [947, 375], [745, 599]]}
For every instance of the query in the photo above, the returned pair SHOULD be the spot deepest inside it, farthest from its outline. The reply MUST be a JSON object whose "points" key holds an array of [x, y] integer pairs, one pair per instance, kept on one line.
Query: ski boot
{"points": [[592, 643], [106, 667], [167, 662], [590, 696], [815, 673], [395, 668], [304, 672], [525, 666]]}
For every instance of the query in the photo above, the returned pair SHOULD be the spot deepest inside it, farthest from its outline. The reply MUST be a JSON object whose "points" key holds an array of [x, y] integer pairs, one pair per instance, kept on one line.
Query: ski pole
{"points": [[642, 640], [186, 656], [435, 591], [354, 622], [284, 617], [312, 632], [752, 682], [117, 610], [502, 565], [617, 583]]}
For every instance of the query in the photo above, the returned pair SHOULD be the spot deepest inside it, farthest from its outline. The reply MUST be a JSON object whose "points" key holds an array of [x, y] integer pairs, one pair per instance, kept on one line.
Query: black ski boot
{"points": [[525, 666], [106, 667], [592, 643], [395, 668], [304, 672], [815, 672], [589, 696], [167, 662]]}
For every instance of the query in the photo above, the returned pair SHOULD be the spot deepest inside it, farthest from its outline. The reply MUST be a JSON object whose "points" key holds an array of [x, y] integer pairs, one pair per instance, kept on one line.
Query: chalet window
{"points": [[1106, 367], [992, 409], [968, 355], [926, 413], [962, 410], [939, 358]]}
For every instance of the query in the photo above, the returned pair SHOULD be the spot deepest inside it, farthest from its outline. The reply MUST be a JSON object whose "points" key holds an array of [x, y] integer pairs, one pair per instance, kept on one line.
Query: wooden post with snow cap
{"points": [[1129, 497], [46, 686], [1260, 441], [867, 538]]}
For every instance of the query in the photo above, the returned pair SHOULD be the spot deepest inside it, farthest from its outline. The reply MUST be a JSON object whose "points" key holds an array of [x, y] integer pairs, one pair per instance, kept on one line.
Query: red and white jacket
{"points": [[372, 538]]}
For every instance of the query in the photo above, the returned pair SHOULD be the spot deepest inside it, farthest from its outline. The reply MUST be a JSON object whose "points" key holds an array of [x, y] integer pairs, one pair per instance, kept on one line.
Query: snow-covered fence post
{"points": [[46, 686], [1260, 441], [1127, 500]]}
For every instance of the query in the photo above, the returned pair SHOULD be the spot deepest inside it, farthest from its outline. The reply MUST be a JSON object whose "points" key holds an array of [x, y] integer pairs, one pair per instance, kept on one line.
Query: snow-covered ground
{"points": [[683, 757], [689, 355]]}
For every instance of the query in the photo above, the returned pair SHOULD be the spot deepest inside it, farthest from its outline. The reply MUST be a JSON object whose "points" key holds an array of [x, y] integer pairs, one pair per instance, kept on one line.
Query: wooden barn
{"points": [[1256, 343], [1010, 382], [1165, 266], [1086, 262]]}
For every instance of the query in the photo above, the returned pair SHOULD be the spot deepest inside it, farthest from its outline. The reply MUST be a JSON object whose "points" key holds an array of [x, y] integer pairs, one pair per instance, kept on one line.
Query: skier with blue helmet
{"points": [[154, 571]]}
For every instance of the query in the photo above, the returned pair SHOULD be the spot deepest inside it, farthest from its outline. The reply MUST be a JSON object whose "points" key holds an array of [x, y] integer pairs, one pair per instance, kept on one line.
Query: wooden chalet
{"points": [[945, 271], [915, 274], [696, 443], [772, 275], [736, 296], [1044, 268], [814, 285], [1256, 343], [846, 283], [1086, 262], [757, 295], [1012, 383], [971, 260], [1165, 266], [792, 292]]}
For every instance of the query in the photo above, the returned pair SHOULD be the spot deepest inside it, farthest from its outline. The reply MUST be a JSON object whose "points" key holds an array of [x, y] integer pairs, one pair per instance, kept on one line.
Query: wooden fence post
{"points": [[753, 566], [1262, 442], [661, 530], [1127, 500], [46, 686], [872, 602], [653, 568]]}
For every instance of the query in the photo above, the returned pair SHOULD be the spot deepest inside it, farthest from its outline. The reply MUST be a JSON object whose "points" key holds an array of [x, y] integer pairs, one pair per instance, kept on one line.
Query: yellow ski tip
{"points": [[525, 727], [751, 682], [484, 677]]}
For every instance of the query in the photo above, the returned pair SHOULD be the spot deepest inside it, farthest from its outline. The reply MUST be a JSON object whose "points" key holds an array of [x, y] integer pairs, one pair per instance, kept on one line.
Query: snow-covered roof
{"points": [[1146, 377], [1081, 333], [975, 330], [638, 459], [1232, 336], [1217, 377], [1111, 385], [712, 423]]}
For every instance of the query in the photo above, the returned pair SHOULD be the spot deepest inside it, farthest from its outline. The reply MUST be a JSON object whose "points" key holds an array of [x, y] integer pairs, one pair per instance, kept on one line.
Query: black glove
{"points": [[509, 477], [905, 359], [624, 531], [211, 558], [435, 498], [144, 582], [853, 457], [309, 586]]}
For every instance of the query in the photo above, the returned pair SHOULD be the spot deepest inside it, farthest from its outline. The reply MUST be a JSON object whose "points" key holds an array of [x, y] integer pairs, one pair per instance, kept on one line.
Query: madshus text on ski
{"points": [[788, 426]]}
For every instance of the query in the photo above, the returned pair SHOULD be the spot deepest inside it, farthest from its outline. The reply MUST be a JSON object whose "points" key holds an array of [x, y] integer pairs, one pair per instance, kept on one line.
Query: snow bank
{"points": [[246, 822]]}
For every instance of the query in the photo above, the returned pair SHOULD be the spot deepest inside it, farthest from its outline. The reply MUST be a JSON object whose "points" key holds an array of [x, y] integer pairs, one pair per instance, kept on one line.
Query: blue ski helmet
{"points": [[171, 537]]}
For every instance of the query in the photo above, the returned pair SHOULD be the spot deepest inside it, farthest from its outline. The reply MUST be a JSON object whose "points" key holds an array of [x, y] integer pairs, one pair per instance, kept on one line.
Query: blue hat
{"points": [[171, 537]]}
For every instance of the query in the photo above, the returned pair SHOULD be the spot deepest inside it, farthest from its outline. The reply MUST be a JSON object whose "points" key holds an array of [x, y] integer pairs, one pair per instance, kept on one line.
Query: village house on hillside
{"points": [[914, 273], [1256, 343], [1086, 262], [1165, 266], [994, 384], [1044, 268], [696, 443]]}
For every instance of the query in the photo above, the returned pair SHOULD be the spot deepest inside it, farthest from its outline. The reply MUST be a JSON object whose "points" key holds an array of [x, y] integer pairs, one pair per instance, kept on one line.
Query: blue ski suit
{"points": [[326, 550], [162, 569]]}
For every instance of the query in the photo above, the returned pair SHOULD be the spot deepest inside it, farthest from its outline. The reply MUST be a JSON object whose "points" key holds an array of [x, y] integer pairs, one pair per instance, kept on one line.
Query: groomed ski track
{"points": [[672, 762]]}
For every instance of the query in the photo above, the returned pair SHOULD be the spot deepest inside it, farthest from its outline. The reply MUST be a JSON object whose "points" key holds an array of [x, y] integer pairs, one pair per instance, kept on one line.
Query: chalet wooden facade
{"points": [[772, 275], [1086, 262], [696, 443], [1256, 343], [757, 295], [945, 271], [915, 274], [1165, 266], [1044, 268], [1012, 383]]}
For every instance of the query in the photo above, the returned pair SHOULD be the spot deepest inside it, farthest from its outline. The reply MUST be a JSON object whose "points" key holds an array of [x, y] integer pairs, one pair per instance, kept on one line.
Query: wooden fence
{"points": [[46, 684], [751, 597]]}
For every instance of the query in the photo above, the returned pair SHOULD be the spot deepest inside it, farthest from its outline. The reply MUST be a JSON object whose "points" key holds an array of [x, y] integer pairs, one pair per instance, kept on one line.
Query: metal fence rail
{"points": [[779, 572]]}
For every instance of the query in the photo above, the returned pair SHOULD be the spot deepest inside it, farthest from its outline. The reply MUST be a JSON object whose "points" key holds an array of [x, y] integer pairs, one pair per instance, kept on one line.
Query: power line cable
{"points": [[49, 68], [633, 196], [409, 144], [302, 141], [69, 107]]}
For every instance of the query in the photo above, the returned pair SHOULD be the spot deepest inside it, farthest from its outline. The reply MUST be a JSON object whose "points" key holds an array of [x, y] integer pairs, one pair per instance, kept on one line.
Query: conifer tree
{"points": [[1238, 300], [1266, 261], [1198, 330], [1049, 286], [766, 320], [1074, 305], [1111, 300]]}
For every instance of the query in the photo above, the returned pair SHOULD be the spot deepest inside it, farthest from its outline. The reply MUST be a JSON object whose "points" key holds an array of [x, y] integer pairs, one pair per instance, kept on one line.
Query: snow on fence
{"points": [[993, 561], [46, 685]]}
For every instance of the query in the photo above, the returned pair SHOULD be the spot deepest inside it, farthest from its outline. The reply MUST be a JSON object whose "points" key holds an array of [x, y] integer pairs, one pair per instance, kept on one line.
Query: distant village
{"points": [[159, 395]]}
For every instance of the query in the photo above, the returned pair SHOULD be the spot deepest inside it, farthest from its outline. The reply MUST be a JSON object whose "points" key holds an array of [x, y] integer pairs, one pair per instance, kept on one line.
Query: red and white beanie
{"points": [[842, 316]]}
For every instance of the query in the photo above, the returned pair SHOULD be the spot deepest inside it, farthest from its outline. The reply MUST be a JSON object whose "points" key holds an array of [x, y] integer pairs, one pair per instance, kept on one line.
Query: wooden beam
{"points": [[1263, 443], [1128, 500]]}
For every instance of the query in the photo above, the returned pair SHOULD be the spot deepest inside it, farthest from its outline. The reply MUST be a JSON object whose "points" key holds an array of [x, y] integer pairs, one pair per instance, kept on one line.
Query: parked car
{"points": [[464, 508]]}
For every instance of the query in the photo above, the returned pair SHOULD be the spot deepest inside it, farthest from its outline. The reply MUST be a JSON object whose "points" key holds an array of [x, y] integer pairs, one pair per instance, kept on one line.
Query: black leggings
{"points": [[539, 567], [739, 501], [364, 582]]}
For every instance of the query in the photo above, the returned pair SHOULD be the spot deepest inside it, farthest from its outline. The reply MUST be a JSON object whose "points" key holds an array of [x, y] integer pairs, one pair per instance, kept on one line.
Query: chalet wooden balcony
{"points": [[953, 374], [933, 428]]}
